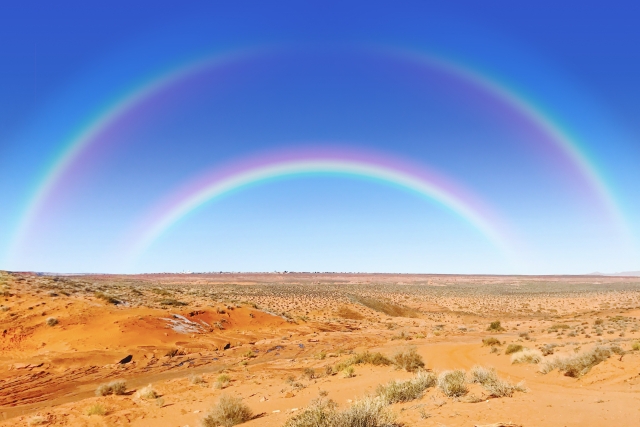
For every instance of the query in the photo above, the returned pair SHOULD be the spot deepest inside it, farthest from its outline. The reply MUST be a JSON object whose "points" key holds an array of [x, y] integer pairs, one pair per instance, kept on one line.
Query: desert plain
{"points": [[296, 349]]}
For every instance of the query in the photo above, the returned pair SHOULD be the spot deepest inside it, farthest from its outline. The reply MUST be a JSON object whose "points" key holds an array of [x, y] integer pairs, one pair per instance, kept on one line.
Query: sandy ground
{"points": [[268, 332]]}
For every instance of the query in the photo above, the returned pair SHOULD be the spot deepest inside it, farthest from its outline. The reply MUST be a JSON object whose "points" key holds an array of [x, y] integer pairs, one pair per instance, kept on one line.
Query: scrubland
{"points": [[316, 350]]}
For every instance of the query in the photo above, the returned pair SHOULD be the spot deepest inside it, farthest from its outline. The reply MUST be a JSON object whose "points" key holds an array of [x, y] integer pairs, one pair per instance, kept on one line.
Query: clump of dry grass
{"points": [[117, 387], [368, 412], [495, 326], [222, 381], [577, 365], [96, 409], [147, 393], [37, 420], [635, 346], [513, 348], [349, 372], [52, 321], [453, 383], [309, 373], [527, 356], [228, 412], [408, 360], [495, 386], [405, 391], [376, 359], [491, 341], [196, 379]]}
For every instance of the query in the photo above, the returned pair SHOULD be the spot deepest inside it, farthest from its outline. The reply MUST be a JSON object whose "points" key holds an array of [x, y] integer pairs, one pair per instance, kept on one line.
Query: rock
{"points": [[126, 360]]}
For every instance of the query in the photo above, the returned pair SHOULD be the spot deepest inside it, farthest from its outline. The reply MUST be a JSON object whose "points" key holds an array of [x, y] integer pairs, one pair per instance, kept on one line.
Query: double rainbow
{"points": [[87, 136]]}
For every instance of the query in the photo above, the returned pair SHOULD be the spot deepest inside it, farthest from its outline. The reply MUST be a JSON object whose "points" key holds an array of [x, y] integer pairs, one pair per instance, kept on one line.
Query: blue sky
{"points": [[291, 75]]}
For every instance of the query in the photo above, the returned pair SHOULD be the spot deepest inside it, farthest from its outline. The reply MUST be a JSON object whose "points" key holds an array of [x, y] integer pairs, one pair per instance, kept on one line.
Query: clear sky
{"points": [[417, 137]]}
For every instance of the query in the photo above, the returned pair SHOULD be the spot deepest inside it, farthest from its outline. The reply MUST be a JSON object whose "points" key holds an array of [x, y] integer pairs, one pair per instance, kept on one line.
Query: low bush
{"points": [[453, 383], [491, 341], [96, 409], [513, 348], [228, 412], [369, 412], [376, 359], [348, 372], [495, 326], [408, 360], [147, 393], [405, 391], [489, 380], [635, 346], [577, 365], [52, 321], [223, 381], [117, 387], [527, 356]]}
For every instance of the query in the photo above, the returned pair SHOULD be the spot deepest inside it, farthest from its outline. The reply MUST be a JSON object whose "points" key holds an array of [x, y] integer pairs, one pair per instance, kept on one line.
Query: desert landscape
{"points": [[303, 349]]}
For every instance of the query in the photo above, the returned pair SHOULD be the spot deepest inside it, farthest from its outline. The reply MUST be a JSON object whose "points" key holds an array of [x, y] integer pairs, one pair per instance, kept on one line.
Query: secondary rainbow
{"points": [[83, 139], [220, 182], [86, 135]]}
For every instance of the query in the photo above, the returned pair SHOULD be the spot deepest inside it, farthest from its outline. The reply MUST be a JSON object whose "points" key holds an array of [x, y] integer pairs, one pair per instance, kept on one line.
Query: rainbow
{"points": [[87, 135], [290, 164]]}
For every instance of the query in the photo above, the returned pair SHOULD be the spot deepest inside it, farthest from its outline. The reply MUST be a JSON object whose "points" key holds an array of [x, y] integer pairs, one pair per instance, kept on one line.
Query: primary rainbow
{"points": [[87, 135], [363, 164]]}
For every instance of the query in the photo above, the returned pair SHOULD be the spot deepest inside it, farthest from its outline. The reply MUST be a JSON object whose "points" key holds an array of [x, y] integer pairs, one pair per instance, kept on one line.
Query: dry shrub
{"points": [[527, 356], [309, 373], [369, 412], [577, 365], [147, 393], [408, 360], [513, 348], [348, 372], [96, 409], [405, 391], [37, 420], [491, 341], [453, 383], [489, 380], [223, 381], [228, 412], [117, 387], [376, 359], [635, 346], [196, 379], [495, 326], [52, 321]]}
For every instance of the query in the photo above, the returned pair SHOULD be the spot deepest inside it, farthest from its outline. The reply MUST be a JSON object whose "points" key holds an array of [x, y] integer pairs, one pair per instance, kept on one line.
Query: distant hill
{"points": [[624, 273]]}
